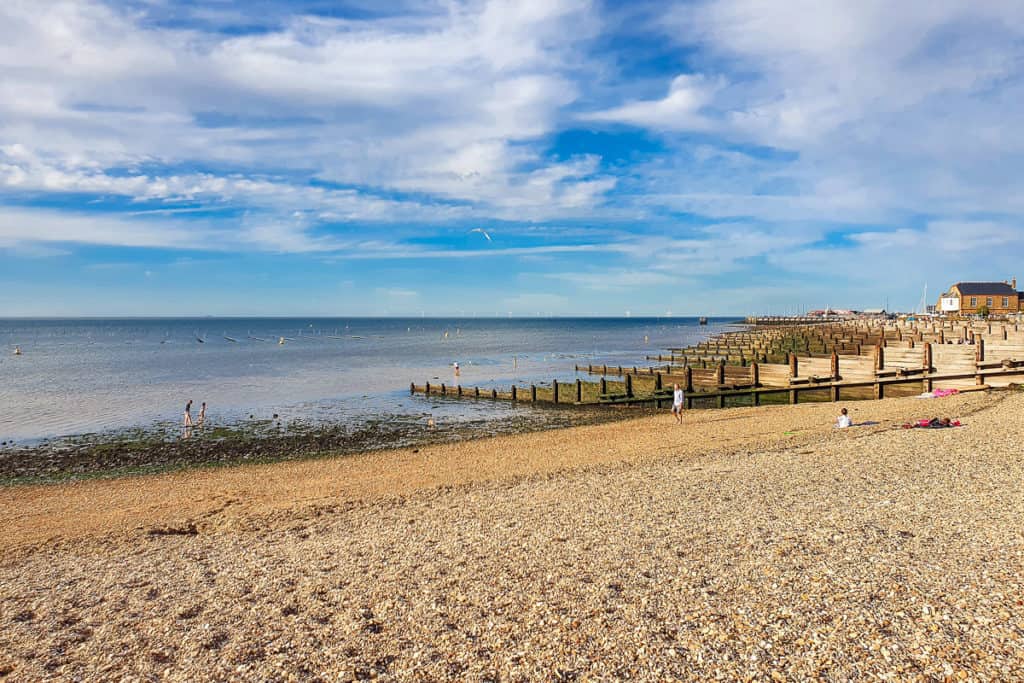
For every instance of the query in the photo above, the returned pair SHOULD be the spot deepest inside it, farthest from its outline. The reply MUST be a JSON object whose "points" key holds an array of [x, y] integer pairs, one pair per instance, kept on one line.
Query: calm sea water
{"points": [[81, 376]]}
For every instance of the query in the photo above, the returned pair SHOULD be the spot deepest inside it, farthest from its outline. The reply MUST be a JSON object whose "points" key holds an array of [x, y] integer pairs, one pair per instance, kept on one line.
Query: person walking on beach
{"points": [[188, 414], [677, 403], [202, 414]]}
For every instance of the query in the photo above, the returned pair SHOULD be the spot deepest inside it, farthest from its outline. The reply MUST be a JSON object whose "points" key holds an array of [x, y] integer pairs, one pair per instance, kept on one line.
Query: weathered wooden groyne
{"points": [[833, 362]]}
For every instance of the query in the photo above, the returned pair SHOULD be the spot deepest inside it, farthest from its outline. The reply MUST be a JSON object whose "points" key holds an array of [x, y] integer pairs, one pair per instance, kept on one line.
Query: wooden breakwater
{"points": [[865, 361]]}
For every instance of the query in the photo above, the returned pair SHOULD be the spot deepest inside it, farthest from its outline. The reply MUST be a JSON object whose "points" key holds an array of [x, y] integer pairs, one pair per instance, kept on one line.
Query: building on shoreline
{"points": [[967, 298]]}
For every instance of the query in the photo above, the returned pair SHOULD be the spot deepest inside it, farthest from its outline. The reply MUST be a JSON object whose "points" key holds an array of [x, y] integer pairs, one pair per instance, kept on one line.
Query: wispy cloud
{"points": [[610, 150]]}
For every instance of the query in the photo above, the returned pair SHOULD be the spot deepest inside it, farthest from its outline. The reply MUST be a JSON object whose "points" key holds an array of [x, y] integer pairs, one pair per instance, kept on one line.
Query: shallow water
{"points": [[78, 376]]}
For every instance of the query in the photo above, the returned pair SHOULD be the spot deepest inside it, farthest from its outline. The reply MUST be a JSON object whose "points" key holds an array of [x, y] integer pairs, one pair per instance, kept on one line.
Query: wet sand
{"points": [[744, 542]]}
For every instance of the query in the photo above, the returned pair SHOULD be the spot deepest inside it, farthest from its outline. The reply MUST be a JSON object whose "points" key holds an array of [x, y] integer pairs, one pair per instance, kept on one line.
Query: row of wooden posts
{"points": [[737, 349], [475, 392], [720, 398], [752, 388]]}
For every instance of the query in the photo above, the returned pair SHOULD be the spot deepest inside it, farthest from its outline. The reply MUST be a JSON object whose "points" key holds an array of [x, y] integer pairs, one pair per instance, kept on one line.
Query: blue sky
{"points": [[314, 157]]}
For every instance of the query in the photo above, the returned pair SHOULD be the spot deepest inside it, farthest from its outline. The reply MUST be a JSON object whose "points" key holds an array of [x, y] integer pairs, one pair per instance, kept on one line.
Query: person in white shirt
{"points": [[677, 403], [843, 421]]}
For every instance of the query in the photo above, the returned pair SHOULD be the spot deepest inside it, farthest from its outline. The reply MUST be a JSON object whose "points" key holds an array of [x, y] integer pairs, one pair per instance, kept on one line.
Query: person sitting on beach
{"points": [[843, 421], [677, 403]]}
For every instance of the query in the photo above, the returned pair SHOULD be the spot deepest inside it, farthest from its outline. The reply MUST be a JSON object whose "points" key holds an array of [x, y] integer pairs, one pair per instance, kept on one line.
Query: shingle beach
{"points": [[746, 544]]}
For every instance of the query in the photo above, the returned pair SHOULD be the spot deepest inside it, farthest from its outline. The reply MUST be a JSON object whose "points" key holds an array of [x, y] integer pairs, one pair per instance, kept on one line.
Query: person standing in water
{"points": [[188, 414], [202, 414]]}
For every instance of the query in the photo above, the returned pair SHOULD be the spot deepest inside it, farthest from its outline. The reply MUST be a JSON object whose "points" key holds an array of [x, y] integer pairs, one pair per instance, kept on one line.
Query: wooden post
{"points": [[879, 357], [412, 388], [794, 396], [720, 373], [629, 386], [657, 382], [604, 386], [458, 391], [533, 391], [755, 375], [757, 398], [554, 391], [942, 336], [879, 390], [426, 389], [476, 391], [689, 381], [835, 392], [835, 367], [979, 357], [721, 400], [910, 343], [494, 394], [579, 391], [444, 390], [794, 366], [927, 364], [514, 392]]}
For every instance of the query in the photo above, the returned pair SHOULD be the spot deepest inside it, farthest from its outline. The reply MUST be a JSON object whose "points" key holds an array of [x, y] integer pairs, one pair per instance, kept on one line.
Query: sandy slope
{"points": [[637, 549]]}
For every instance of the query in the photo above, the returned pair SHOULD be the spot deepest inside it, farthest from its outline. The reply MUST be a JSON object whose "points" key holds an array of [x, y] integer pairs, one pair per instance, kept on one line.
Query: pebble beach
{"points": [[745, 544]]}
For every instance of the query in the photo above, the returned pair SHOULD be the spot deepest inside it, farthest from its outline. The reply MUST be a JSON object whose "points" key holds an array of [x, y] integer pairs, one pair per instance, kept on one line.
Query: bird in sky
{"points": [[482, 232]]}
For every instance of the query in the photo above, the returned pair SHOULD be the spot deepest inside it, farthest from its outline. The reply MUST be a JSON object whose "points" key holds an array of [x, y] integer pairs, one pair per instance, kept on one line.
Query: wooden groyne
{"points": [[830, 363]]}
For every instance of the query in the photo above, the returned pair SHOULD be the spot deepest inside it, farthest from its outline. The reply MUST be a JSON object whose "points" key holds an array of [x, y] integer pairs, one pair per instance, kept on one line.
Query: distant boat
{"points": [[200, 339], [256, 338], [702, 320], [17, 350], [280, 341], [230, 339]]}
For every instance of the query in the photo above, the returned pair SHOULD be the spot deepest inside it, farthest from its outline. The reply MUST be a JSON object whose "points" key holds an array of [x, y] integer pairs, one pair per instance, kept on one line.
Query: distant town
{"points": [[962, 299]]}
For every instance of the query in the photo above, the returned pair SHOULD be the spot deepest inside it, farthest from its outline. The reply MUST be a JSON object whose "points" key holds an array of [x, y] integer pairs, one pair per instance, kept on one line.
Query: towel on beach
{"points": [[939, 393], [930, 424]]}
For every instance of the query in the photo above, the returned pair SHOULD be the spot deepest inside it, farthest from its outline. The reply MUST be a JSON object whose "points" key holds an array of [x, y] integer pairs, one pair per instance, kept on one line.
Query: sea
{"points": [[88, 376]]}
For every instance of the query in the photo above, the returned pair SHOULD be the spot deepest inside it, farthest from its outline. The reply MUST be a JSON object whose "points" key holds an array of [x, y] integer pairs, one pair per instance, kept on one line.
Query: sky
{"points": [[501, 157]]}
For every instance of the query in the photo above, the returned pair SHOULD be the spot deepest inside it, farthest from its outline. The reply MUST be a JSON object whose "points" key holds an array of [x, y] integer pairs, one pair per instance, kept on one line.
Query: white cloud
{"points": [[887, 109], [680, 109], [27, 226], [449, 103]]}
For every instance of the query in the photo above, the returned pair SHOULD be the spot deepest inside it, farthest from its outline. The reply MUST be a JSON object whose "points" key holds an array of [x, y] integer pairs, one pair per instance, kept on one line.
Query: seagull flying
{"points": [[482, 232]]}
